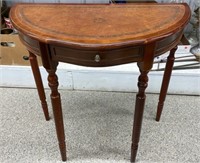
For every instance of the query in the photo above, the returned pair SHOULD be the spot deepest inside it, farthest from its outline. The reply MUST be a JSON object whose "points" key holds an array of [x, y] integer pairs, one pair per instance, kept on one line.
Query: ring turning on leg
{"points": [[57, 111], [139, 108]]}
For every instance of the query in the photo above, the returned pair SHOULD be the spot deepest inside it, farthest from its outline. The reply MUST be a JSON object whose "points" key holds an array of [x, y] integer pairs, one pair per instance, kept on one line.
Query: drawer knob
{"points": [[97, 58]]}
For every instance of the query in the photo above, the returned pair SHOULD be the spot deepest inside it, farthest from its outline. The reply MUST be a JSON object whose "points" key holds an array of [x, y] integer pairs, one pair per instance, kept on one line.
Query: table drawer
{"points": [[97, 58]]}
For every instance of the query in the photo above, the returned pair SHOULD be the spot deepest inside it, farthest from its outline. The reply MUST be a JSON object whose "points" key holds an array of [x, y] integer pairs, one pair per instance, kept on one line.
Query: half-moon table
{"points": [[99, 35]]}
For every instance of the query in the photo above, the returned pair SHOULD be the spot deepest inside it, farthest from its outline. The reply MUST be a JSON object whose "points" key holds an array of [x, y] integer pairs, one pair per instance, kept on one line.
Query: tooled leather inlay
{"points": [[95, 22]]}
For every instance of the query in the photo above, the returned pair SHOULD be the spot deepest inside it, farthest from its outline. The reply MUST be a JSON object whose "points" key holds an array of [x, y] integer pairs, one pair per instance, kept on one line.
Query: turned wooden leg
{"points": [[165, 82], [39, 84], [139, 108], [57, 111]]}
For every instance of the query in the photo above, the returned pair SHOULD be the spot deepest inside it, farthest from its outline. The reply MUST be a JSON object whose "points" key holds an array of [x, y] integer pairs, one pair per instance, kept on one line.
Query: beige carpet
{"points": [[98, 128]]}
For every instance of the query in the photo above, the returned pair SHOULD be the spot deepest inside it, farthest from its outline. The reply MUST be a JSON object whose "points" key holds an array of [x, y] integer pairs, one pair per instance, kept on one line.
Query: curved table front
{"points": [[97, 36]]}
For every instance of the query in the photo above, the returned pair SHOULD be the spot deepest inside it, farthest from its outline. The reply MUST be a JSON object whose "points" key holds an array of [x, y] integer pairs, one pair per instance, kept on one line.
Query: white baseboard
{"points": [[117, 78]]}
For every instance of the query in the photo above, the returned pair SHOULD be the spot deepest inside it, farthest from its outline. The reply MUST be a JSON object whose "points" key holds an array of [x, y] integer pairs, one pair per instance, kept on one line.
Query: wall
{"points": [[11, 2]]}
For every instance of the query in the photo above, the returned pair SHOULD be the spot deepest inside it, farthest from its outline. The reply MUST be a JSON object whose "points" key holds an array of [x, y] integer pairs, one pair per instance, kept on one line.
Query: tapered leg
{"points": [[139, 108], [57, 111], [165, 82], [39, 84]]}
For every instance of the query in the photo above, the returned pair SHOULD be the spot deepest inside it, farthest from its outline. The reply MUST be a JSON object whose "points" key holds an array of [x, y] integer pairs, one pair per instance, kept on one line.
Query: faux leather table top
{"points": [[102, 24]]}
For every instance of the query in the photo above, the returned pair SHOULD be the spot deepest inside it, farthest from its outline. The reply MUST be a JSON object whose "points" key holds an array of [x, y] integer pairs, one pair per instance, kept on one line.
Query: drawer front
{"points": [[97, 58]]}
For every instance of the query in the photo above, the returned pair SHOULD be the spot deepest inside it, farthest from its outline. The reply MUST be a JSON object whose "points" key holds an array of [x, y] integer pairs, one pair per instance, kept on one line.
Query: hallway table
{"points": [[99, 35]]}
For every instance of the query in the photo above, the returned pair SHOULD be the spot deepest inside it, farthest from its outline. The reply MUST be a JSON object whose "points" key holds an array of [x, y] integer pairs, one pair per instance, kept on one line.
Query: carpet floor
{"points": [[98, 128]]}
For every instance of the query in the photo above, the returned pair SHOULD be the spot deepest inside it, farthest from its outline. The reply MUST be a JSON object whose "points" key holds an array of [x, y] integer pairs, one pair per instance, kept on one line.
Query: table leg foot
{"points": [[39, 84], [57, 111], [165, 82], [138, 116]]}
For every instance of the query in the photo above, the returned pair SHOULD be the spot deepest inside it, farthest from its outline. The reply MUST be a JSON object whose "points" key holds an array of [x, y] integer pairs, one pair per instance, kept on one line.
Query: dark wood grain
{"points": [[165, 82], [57, 110], [98, 36], [106, 57], [39, 84], [139, 109]]}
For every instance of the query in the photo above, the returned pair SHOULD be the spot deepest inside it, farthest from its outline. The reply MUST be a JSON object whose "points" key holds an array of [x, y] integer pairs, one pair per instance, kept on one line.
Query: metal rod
{"points": [[181, 67]]}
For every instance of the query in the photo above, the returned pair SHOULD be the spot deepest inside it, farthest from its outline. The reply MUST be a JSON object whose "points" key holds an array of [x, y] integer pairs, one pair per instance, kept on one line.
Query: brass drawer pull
{"points": [[97, 58]]}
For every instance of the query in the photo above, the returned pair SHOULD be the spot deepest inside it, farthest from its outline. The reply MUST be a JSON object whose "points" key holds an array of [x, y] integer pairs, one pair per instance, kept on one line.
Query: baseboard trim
{"points": [[118, 78]]}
